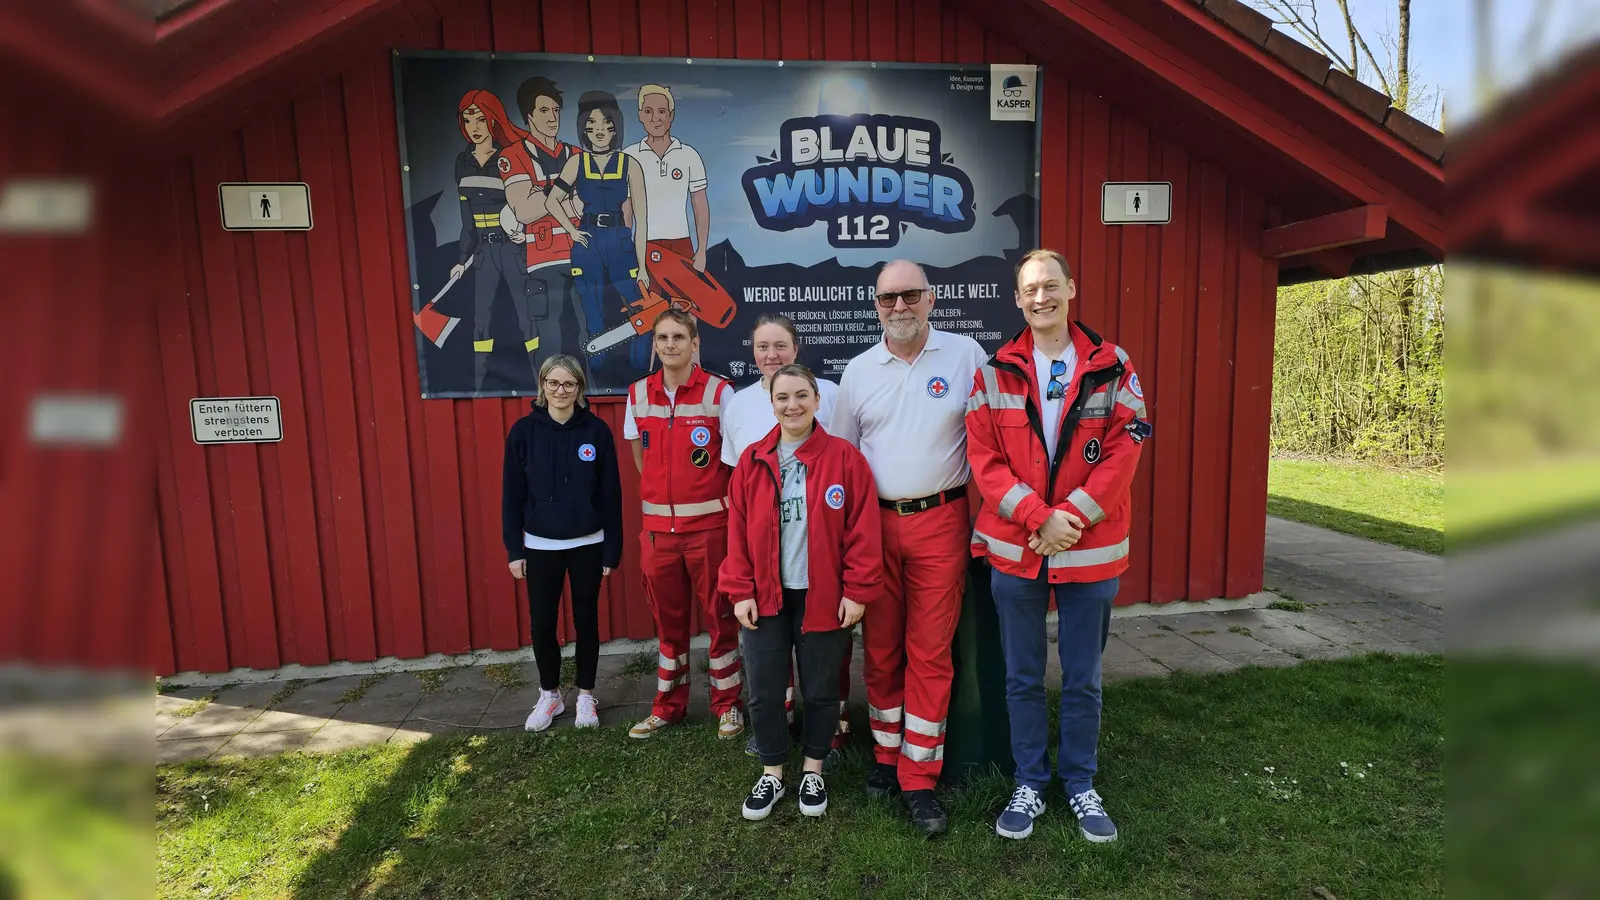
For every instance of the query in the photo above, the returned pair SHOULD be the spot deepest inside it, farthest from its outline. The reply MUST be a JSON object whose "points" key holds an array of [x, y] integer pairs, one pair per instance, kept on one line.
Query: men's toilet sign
{"points": [[258, 206]]}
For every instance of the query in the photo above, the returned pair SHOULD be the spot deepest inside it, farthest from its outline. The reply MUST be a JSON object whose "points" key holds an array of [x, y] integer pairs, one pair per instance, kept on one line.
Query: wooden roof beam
{"points": [[1340, 229]]}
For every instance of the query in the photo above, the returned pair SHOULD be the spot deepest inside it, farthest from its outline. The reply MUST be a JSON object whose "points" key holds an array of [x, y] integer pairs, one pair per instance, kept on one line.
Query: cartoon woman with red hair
{"points": [[494, 252]]}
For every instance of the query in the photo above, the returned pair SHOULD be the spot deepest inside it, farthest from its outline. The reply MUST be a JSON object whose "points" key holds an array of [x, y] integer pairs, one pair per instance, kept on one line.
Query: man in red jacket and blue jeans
{"points": [[1055, 424]]}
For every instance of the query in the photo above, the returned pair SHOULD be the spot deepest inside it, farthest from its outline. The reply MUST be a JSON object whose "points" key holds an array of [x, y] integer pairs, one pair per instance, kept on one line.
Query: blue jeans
{"points": [[1084, 613]]}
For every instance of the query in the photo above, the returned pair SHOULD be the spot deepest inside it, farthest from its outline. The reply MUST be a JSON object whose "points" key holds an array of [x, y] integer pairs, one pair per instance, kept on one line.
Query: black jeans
{"points": [[766, 665], [547, 569]]}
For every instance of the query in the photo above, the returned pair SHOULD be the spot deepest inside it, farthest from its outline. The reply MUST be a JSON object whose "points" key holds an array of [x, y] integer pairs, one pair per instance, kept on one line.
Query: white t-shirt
{"points": [[630, 428], [910, 419], [748, 417], [1050, 410], [794, 541], [535, 542], [668, 182]]}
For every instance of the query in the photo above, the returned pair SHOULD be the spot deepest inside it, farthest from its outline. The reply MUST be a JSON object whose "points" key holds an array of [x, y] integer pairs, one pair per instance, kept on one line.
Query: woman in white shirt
{"points": [[748, 417]]}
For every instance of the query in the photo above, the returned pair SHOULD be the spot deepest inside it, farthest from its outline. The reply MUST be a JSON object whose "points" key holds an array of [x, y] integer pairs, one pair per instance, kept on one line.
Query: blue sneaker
{"points": [[1017, 821], [1092, 819]]}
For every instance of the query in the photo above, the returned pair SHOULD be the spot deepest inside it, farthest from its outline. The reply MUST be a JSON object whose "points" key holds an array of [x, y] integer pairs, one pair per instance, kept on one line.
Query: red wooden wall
{"points": [[373, 528]]}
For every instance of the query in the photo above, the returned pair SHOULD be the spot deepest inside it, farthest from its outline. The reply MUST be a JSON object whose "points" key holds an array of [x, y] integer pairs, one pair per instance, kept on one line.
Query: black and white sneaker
{"points": [[813, 795], [763, 797]]}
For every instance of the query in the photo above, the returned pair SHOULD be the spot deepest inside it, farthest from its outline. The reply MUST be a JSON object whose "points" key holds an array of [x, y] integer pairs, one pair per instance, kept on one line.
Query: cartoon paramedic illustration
{"points": [[674, 179], [496, 256], [607, 251], [528, 167]]}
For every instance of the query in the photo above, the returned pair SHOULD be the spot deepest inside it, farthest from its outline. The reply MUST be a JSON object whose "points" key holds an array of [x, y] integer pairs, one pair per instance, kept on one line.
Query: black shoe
{"points": [[813, 795], [832, 761], [926, 813], [884, 781], [763, 797], [750, 748]]}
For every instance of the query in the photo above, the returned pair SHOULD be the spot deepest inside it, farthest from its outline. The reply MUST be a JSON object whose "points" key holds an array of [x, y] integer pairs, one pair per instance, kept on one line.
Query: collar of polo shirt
{"points": [[645, 145]]}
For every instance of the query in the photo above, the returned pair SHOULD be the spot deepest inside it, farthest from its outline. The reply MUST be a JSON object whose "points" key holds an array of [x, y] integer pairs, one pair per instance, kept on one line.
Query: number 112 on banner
{"points": [[879, 233]]}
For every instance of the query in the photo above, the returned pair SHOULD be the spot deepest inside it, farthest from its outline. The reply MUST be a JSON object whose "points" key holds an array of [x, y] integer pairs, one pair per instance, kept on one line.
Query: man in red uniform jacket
{"points": [[674, 421], [1055, 424]]}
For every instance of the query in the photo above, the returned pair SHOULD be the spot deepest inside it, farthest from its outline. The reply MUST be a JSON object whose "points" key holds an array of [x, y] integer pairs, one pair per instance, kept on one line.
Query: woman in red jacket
{"points": [[804, 557]]}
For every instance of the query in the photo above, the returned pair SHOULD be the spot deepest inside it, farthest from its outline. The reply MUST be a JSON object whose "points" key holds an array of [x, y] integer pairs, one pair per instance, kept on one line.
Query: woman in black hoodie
{"points": [[561, 517]]}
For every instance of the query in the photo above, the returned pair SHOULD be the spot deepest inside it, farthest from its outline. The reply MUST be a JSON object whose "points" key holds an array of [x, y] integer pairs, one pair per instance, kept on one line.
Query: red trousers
{"points": [[680, 569], [907, 635]]}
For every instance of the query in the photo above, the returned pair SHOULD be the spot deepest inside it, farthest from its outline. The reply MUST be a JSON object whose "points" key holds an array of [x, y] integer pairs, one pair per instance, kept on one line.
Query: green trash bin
{"points": [[978, 731]]}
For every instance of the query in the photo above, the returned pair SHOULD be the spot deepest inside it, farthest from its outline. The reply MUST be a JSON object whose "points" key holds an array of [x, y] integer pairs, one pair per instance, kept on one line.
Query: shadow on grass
{"points": [[1528, 526], [1388, 531], [387, 840]]}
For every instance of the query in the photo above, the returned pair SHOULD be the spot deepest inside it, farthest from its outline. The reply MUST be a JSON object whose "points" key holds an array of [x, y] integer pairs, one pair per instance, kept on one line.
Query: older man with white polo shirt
{"points": [[903, 402], [674, 179]]}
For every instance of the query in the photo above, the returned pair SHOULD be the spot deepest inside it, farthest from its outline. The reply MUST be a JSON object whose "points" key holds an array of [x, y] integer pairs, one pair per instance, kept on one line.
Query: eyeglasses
{"points": [[1056, 389], [911, 297], [560, 387]]}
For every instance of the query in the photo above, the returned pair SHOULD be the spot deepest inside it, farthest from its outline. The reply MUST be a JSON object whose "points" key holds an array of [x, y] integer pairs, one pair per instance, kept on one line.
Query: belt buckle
{"points": [[907, 507]]}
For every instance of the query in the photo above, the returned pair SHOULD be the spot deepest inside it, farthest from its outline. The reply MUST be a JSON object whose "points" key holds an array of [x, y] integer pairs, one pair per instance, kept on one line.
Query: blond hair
{"points": [[646, 90], [573, 367], [1040, 254]]}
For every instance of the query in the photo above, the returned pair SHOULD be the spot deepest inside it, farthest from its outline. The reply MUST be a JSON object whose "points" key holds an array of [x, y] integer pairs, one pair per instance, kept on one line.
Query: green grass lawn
{"points": [[1488, 504], [1403, 507], [1258, 783]]}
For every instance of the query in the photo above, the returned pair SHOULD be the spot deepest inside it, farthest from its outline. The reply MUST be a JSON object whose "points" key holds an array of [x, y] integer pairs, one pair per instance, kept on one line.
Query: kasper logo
{"points": [[1012, 92]]}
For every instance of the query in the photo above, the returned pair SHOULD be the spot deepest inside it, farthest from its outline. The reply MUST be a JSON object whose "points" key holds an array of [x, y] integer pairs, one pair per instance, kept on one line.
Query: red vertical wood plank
{"points": [[882, 31], [703, 22], [405, 478], [655, 38], [269, 156], [677, 26], [771, 30], [627, 24], [969, 42], [1133, 296], [560, 26], [241, 529], [927, 31], [514, 27], [1165, 395], [749, 30], [727, 27], [862, 46], [1252, 392], [1095, 123], [353, 623], [469, 27], [191, 491], [1207, 540], [1229, 374], [605, 31], [1053, 210], [163, 650], [795, 40], [905, 30]]}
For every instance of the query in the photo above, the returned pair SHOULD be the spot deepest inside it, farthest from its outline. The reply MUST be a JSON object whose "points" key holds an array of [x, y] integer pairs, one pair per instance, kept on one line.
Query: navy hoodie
{"points": [[561, 482]]}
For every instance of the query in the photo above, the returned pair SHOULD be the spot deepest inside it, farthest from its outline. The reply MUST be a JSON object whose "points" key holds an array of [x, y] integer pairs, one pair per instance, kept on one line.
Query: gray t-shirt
{"points": [[792, 516]]}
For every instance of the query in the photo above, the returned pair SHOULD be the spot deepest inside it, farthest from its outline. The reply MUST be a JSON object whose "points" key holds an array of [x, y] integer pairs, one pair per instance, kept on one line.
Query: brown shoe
{"points": [[649, 727], [730, 724]]}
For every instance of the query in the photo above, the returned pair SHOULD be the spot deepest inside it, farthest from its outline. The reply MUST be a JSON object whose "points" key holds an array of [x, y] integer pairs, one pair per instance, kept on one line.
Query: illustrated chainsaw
{"points": [[674, 283]]}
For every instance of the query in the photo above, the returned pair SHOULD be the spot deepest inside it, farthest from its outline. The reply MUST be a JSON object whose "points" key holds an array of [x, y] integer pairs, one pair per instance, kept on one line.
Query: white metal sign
{"points": [[235, 420], [258, 206], [1136, 203], [1013, 93]]}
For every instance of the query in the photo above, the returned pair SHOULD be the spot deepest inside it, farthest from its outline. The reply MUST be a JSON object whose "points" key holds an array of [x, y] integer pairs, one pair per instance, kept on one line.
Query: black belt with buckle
{"points": [[910, 507], [494, 237], [602, 220]]}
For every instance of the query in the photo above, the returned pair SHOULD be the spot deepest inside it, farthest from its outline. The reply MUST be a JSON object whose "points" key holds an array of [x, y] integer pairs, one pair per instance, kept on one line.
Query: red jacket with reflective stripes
{"points": [[1102, 430], [684, 483], [844, 546]]}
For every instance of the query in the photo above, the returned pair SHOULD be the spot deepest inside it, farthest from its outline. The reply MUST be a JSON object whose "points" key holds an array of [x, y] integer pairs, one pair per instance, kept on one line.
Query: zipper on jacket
{"points": [[777, 502], [672, 414], [1086, 386]]}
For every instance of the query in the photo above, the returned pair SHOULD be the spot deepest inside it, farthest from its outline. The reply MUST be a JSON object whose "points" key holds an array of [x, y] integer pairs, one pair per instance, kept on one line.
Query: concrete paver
{"points": [[1360, 597]]}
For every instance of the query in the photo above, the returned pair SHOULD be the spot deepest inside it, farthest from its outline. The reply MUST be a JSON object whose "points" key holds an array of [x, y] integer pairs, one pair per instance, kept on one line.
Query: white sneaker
{"points": [[548, 707], [730, 724], [588, 712]]}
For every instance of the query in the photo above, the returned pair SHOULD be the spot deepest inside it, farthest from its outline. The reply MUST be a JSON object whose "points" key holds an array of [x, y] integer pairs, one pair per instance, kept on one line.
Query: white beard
{"points": [[903, 331]]}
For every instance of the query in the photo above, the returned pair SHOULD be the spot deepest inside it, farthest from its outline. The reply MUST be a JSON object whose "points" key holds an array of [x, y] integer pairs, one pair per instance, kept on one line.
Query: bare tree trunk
{"points": [[1402, 95], [1350, 30]]}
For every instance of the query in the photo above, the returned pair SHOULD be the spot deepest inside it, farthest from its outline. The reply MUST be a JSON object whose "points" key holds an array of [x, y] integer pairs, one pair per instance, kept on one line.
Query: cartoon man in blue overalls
{"points": [[607, 251]]}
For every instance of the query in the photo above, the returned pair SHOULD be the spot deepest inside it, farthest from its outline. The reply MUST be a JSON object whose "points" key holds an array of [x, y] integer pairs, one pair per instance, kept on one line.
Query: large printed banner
{"points": [[558, 204]]}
